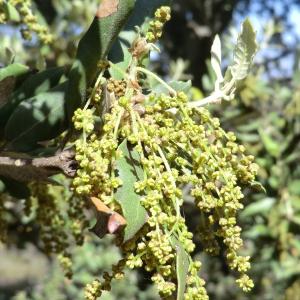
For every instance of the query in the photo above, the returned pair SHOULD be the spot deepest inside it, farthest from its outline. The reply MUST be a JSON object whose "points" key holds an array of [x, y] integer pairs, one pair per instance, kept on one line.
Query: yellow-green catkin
{"points": [[93, 290], [3, 18], [189, 149], [175, 150], [162, 15], [56, 234], [30, 22]]}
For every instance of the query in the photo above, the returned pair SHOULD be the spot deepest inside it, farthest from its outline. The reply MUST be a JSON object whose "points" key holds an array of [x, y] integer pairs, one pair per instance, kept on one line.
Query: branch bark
{"points": [[37, 169]]}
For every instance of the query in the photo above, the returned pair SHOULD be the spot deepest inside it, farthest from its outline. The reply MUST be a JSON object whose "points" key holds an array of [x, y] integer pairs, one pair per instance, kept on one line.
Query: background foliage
{"points": [[264, 115]]}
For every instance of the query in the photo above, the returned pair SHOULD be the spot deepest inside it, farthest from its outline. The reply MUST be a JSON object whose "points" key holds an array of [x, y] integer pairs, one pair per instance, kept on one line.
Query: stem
{"points": [[100, 76], [134, 123], [157, 78], [213, 98], [113, 157], [120, 115], [167, 166], [37, 168]]}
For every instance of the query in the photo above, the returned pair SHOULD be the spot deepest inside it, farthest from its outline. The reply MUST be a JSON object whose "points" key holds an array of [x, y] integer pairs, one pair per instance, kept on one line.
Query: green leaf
{"points": [[248, 137], [182, 267], [294, 187], [216, 58], [10, 12], [129, 170], [6, 87], [32, 86], [37, 119], [117, 70], [256, 231], [184, 86], [258, 186], [13, 70], [244, 52], [93, 47], [2, 187], [143, 12], [8, 78], [262, 206], [272, 146], [253, 125], [274, 182]]}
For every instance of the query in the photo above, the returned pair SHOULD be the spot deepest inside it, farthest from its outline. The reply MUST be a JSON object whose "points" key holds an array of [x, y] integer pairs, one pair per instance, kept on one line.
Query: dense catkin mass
{"points": [[178, 145], [93, 290], [52, 207], [188, 147]]}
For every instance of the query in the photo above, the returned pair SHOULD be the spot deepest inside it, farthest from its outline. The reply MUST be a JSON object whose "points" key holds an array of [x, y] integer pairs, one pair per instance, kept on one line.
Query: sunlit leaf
{"points": [[13, 70], [182, 267], [216, 58], [129, 171], [10, 12], [244, 51], [183, 86]]}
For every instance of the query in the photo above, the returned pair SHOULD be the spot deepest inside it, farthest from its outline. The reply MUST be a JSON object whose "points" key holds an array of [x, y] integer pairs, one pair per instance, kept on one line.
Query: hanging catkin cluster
{"points": [[61, 219], [179, 145], [187, 148], [28, 20]]}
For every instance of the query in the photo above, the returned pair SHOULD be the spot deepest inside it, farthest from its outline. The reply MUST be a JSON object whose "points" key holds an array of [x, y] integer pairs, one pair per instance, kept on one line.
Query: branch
{"points": [[215, 97], [37, 169]]}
